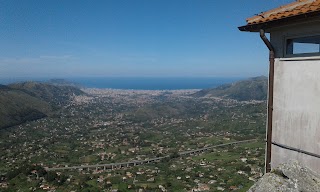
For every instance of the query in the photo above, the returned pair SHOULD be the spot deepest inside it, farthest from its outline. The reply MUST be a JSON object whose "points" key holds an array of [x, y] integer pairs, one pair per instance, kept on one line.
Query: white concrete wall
{"points": [[296, 114]]}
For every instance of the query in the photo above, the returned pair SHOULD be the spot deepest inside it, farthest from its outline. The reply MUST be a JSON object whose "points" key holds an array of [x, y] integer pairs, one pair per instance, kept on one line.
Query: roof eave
{"points": [[278, 22], [250, 28]]}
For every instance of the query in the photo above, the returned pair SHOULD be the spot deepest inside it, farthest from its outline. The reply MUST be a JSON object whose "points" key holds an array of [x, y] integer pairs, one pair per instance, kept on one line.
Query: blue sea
{"points": [[139, 83]]}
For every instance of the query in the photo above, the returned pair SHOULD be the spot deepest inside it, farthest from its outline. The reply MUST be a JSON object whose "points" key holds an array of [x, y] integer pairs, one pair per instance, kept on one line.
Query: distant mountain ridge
{"points": [[63, 82], [21, 102], [47, 92], [3, 87], [255, 88], [17, 107]]}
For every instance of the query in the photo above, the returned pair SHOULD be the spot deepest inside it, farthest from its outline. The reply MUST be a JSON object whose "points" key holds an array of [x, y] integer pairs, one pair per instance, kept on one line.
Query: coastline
{"points": [[137, 83]]}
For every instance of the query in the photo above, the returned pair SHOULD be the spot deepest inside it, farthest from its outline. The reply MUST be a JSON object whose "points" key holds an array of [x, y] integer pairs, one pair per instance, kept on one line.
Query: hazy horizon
{"points": [[131, 38], [136, 83]]}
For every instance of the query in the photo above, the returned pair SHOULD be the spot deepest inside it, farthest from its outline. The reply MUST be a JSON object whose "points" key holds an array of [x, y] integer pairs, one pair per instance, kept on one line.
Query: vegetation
{"points": [[52, 94], [252, 89], [29, 101], [17, 107], [114, 126]]}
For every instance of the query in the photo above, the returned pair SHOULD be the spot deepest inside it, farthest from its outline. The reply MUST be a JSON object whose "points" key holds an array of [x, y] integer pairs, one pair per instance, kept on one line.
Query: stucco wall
{"points": [[296, 114]]}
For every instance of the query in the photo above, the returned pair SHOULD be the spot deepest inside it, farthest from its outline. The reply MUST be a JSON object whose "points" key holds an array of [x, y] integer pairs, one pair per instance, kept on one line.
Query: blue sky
{"points": [[193, 38]]}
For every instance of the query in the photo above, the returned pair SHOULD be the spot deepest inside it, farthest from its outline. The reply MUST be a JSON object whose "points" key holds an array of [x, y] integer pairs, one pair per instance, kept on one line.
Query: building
{"points": [[293, 130]]}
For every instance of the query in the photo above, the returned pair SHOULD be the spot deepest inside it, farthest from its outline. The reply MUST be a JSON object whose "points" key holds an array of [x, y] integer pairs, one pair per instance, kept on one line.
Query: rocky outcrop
{"points": [[288, 177]]}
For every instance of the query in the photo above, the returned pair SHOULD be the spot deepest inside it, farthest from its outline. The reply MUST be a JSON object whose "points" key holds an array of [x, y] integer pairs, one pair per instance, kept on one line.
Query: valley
{"points": [[108, 126]]}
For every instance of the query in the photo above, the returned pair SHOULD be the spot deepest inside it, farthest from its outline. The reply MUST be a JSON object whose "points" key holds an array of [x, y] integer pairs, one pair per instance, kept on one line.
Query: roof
{"points": [[293, 10]]}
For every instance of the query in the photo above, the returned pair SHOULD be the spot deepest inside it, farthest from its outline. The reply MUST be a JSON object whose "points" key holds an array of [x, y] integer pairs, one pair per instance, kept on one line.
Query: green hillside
{"points": [[17, 107], [250, 89], [21, 102], [47, 92]]}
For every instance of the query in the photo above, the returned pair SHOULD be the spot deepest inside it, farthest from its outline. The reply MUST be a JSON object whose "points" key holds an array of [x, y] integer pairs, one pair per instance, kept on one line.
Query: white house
{"points": [[293, 130]]}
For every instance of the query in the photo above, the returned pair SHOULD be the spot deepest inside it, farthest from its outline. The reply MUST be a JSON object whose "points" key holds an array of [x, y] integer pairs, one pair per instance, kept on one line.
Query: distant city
{"points": [[59, 136], [139, 83]]}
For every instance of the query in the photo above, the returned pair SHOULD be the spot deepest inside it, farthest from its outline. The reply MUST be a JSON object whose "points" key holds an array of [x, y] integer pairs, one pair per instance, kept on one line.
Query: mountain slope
{"points": [[17, 107], [47, 92], [3, 87], [63, 82], [21, 102], [251, 89]]}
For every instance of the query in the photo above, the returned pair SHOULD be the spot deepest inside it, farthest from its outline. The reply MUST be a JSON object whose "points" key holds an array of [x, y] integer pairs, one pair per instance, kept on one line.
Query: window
{"points": [[303, 45]]}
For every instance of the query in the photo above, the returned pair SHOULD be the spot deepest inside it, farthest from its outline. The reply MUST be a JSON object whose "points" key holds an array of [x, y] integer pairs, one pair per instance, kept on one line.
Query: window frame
{"points": [[285, 45]]}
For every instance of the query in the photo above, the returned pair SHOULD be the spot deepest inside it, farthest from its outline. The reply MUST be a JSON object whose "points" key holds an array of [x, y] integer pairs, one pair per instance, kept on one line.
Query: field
{"points": [[114, 126]]}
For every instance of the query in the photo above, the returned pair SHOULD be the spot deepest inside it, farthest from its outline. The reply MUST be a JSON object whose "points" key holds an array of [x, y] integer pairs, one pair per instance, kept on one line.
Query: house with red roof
{"points": [[293, 126]]}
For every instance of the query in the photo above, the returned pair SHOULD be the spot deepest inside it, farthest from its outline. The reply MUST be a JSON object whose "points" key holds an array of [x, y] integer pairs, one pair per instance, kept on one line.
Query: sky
{"points": [[131, 38]]}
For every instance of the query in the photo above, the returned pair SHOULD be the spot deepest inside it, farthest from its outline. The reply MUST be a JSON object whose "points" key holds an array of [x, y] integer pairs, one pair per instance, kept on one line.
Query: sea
{"points": [[139, 83]]}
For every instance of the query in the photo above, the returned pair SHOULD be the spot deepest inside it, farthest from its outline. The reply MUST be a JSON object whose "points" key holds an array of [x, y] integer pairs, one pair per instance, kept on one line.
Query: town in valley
{"points": [[137, 140]]}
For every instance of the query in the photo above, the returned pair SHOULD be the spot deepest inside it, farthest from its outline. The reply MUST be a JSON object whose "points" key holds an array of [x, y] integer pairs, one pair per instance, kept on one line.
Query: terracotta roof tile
{"points": [[296, 8]]}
